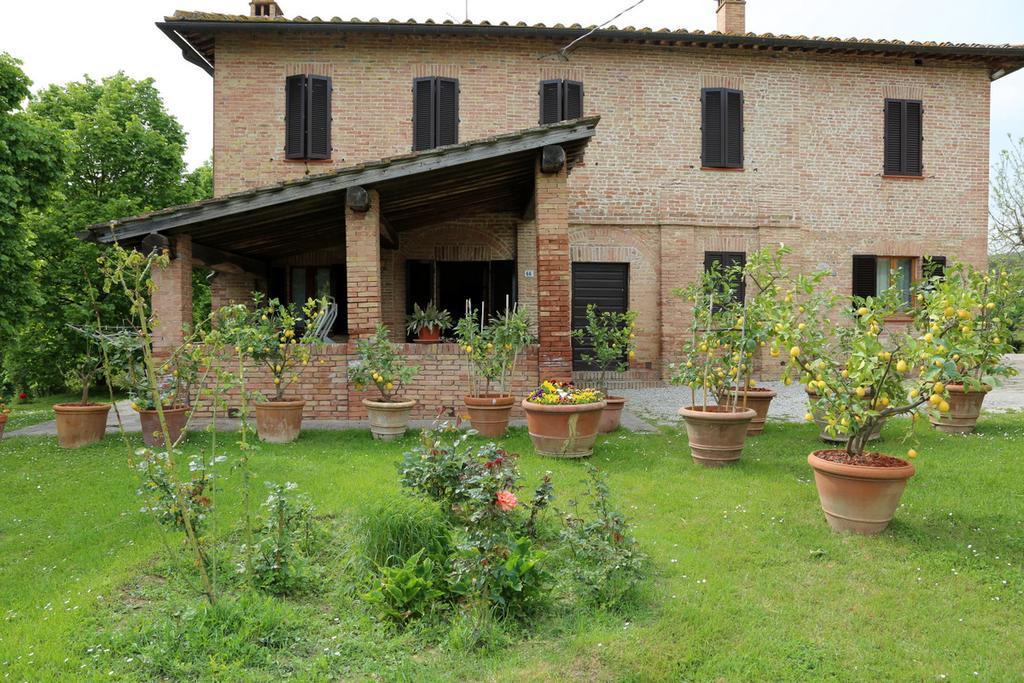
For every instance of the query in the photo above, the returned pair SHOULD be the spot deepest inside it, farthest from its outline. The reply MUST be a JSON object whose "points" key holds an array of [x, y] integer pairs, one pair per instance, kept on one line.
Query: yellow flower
{"points": [[809, 417]]}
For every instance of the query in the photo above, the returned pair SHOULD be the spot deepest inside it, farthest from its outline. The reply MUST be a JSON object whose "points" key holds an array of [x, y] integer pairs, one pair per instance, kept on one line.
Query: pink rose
{"points": [[506, 500]]}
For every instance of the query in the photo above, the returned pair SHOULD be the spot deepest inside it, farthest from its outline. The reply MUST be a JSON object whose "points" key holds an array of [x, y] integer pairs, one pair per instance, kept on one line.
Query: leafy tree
{"points": [[1008, 200], [30, 164], [124, 157]]}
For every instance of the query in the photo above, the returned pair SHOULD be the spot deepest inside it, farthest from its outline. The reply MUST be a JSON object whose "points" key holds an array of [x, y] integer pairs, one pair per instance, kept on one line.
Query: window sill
{"points": [[308, 161], [902, 177], [727, 169]]}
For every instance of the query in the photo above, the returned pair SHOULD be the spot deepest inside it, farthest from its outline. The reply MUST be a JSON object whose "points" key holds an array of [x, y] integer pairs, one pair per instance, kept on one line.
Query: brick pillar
{"points": [[553, 275], [362, 264], [172, 298]]}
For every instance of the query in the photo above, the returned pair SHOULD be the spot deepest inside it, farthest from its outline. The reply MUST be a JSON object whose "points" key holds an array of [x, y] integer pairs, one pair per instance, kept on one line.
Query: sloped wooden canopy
{"points": [[251, 228]]}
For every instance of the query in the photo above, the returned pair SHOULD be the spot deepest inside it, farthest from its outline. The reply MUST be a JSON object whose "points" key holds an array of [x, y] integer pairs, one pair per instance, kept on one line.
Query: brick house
{"points": [[558, 166]]}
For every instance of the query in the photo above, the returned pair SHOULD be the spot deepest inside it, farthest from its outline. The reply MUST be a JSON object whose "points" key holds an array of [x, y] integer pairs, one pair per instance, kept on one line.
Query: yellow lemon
{"points": [[935, 399], [795, 351], [862, 311], [632, 355], [911, 453], [938, 388], [389, 386], [914, 393], [990, 305], [809, 417], [801, 326], [901, 366], [943, 407], [860, 391], [928, 337], [774, 352], [787, 381], [949, 312]]}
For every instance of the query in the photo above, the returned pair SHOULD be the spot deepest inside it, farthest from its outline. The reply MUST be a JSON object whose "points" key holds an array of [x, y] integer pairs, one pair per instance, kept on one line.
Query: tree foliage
{"points": [[1008, 200]]}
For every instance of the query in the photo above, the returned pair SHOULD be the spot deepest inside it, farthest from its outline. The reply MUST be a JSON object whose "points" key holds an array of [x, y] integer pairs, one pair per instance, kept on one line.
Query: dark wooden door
{"points": [[606, 285]]}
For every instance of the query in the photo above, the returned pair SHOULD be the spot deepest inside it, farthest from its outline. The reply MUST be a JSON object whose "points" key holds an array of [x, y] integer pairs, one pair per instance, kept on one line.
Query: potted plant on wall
{"points": [[611, 339], [969, 313], [85, 422], [563, 419], [428, 323], [493, 351], [897, 373], [279, 339], [381, 365], [174, 389], [716, 359]]}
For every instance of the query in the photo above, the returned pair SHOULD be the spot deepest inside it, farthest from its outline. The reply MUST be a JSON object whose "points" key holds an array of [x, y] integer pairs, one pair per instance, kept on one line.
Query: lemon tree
{"points": [[278, 338], [381, 365], [611, 337], [493, 349]]}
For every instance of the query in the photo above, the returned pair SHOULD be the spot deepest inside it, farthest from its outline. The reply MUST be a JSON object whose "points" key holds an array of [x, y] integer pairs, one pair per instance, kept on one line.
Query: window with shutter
{"points": [[550, 101], [721, 128], [903, 137], [864, 275], [447, 111], [572, 107], [423, 113], [307, 117], [435, 112], [729, 262]]}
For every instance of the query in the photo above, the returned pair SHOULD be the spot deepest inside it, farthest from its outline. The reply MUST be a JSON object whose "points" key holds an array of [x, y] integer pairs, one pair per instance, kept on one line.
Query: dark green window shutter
{"points": [[423, 113], [447, 112], [550, 101], [295, 117], [934, 266], [913, 138], [903, 137], [319, 115], [727, 260], [712, 111], [572, 107], [864, 275], [733, 128]]}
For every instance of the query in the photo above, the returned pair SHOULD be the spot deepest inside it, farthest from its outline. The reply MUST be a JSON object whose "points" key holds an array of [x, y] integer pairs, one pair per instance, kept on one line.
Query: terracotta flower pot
{"points": [[489, 414], [612, 415], [428, 335], [964, 409], [79, 425], [819, 419], [279, 421], [388, 419], [716, 435], [3, 423], [859, 498], [153, 435], [563, 431], [758, 399]]}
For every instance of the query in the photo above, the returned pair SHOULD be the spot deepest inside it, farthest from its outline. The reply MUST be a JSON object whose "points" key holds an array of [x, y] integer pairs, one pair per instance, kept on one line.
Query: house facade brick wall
{"points": [[812, 176]]}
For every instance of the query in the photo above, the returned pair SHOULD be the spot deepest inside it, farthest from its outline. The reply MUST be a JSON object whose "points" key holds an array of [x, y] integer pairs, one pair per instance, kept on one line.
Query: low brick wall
{"points": [[442, 381]]}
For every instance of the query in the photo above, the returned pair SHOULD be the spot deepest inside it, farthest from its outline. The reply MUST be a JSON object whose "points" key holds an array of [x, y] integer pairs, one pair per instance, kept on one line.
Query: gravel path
{"points": [[660, 404]]}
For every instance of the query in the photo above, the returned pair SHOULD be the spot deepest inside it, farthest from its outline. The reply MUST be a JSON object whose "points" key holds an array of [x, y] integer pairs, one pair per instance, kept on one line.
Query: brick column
{"points": [[554, 294], [362, 264], [172, 298]]}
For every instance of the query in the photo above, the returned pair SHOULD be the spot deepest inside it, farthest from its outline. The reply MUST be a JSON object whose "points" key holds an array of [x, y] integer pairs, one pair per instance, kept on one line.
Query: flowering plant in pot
{"points": [[862, 375], [428, 323], [277, 336], [717, 358], [85, 422], [563, 419], [609, 340], [382, 365], [493, 351], [970, 313]]}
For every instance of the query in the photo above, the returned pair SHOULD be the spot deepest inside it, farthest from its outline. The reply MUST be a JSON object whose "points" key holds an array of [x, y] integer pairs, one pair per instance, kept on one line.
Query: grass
{"points": [[37, 411], [747, 582]]}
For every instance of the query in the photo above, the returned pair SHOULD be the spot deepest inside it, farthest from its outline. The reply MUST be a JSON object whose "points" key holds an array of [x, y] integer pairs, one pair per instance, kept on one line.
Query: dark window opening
{"points": [[903, 137], [727, 261], [297, 284], [560, 100], [606, 286], [486, 285], [435, 112], [307, 117], [721, 128]]}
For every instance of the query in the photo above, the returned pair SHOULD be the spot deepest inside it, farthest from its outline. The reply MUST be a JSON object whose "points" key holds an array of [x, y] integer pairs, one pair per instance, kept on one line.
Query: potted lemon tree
{"points": [[969, 313], [563, 419], [610, 340], [428, 323], [493, 351], [175, 386], [84, 422], [382, 366]]}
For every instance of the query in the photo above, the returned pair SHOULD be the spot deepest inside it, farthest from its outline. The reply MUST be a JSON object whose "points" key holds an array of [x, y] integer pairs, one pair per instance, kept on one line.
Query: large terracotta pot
{"points": [[79, 425], [755, 398], [612, 415], [964, 409], [819, 419], [279, 421], [153, 435], [428, 335], [716, 434], [859, 498], [3, 423], [489, 414], [563, 431], [388, 419]]}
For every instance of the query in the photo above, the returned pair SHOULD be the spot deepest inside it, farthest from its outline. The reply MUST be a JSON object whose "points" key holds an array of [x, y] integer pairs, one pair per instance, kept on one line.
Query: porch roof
{"points": [[254, 226]]}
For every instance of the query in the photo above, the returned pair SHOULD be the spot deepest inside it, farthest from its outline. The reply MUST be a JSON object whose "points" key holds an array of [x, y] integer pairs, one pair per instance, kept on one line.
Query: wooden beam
{"points": [[388, 236], [217, 259], [552, 159], [357, 199]]}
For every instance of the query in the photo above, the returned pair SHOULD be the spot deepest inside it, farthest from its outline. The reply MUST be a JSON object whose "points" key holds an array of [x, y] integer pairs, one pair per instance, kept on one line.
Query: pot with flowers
{"points": [[563, 419], [717, 359], [969, 313], [85, 422], [897, 373], [278, 338], [381, 365], [428, 323], [493, 351], [609, 343]]}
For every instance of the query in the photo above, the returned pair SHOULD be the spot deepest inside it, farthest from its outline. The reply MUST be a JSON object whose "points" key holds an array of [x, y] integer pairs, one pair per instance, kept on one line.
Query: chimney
{"points": [[265, 8], [732, 17]]}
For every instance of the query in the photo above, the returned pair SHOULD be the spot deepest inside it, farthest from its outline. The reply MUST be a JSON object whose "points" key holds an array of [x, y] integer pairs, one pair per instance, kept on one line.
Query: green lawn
{"points": [[747, 582], [36, 411]]}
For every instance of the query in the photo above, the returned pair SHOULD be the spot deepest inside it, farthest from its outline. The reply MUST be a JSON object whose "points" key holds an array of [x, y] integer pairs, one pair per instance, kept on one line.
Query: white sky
{"points": [[60, 40]]}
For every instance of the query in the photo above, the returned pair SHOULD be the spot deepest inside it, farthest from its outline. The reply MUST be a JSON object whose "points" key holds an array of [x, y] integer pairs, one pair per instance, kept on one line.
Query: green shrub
{"points": [[391, 532], [411, 589], [280, 563]]}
